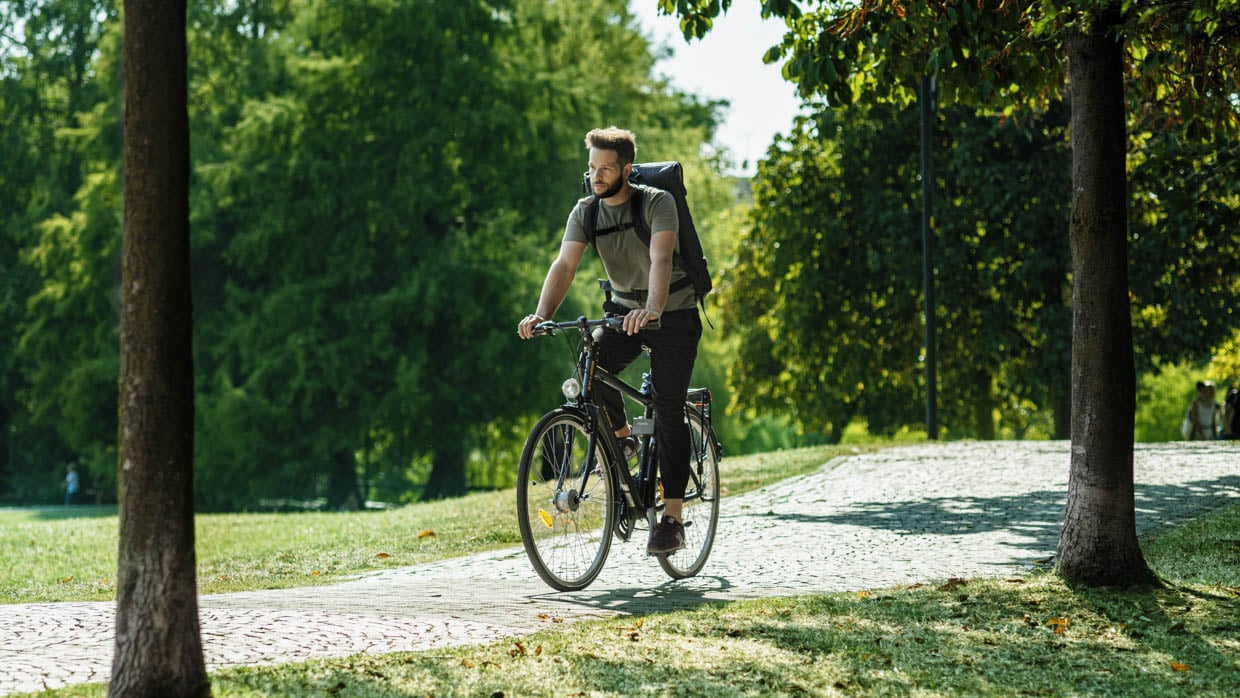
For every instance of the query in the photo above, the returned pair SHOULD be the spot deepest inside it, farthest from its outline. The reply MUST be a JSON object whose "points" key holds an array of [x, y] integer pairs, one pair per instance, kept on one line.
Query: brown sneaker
{"points": [[667, 537]]}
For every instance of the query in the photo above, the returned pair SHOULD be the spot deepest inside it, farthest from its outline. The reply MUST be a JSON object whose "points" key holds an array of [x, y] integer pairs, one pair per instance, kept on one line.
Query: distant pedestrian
{"points": [[1231, 413], [71, 485], [1204, 415]]}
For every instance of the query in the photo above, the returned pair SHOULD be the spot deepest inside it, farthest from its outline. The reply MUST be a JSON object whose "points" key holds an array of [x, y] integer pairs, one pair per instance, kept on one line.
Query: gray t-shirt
{"points": [[625, 257]]}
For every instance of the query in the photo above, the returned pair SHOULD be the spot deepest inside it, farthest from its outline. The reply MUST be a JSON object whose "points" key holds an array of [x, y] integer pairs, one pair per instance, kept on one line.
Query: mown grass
{"points": [[1026, 636], [69, 554]]}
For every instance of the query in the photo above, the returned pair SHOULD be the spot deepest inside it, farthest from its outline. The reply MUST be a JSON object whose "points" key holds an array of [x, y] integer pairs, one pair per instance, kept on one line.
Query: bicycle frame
{"points": [[639, 492]]}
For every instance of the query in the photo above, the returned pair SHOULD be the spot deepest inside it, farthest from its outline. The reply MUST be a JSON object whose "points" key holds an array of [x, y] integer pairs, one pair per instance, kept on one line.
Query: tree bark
{"points": [[343, 493], [447, 477], [158, 644], [983, 407], [1098, 544]]}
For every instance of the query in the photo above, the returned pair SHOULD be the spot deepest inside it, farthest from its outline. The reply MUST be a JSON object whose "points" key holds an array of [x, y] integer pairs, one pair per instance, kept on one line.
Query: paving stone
{"points": [[920, 513]]}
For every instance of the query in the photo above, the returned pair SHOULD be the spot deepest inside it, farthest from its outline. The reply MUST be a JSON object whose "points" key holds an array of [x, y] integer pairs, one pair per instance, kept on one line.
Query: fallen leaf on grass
{"points": [[1178, 666], [426, 533], [468, 664], [863, 595], [1059, 625], [383, 556], [66, 580], [315, 573], [953, 583], [518, 650]]}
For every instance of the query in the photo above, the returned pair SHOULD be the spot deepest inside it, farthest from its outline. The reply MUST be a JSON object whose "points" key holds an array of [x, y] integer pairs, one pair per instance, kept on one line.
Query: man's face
{"points": [[607, 177]]}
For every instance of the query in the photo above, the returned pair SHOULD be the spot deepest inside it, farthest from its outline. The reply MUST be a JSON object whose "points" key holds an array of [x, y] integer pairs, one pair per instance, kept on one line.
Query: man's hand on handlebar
{"points": [[525, 329], [637, 320]]}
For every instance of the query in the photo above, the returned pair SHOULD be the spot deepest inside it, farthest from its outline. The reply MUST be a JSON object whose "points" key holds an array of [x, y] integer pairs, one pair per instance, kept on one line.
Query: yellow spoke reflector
{"points": [[546, 518]]}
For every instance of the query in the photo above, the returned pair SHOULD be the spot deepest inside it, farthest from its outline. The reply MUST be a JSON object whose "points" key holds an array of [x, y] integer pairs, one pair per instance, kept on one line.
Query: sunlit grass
{"points": [[69, 554]]}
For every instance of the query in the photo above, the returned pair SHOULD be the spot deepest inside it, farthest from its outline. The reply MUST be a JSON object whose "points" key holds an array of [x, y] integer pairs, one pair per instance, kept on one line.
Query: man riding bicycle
{"points": [[647, 289]]}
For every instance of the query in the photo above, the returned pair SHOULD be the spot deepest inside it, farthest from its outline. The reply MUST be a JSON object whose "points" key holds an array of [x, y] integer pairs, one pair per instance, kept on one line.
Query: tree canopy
{"points": [[371, 182]]}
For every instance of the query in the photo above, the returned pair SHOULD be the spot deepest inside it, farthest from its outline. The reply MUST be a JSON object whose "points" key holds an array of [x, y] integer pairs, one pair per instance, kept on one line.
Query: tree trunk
{"points": [[343, 493], [1098, 545], [158, 645], [447, 478], [983, 407]]}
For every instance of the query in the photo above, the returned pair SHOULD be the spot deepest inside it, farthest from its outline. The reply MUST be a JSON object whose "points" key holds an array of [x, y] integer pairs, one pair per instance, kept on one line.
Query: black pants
{"points": [[673, 350]]}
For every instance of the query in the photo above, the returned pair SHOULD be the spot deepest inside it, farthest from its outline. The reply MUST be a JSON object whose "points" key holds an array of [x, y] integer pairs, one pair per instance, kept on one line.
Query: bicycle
{"points": [[576, 490]]}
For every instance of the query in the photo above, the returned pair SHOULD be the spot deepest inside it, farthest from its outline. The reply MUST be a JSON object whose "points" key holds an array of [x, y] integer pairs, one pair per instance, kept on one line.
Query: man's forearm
{"points": [[555, 288], [660, 278]]}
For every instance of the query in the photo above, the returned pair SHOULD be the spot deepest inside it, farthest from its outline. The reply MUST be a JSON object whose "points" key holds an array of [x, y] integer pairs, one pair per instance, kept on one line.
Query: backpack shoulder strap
{"points": [[590, 219], [636, 215], [591, 222]]}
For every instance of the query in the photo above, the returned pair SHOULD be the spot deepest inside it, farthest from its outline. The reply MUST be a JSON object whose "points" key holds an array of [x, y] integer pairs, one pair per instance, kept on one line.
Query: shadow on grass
{"points": [[81, 511]]}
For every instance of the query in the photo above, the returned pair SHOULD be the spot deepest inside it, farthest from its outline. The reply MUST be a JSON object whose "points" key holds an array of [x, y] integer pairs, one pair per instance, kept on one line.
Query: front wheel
{"points": [[701, 505], [566, 504]]}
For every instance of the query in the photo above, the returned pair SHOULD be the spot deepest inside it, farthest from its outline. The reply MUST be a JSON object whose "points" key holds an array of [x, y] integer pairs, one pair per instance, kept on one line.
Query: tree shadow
{"points": [[77, 511], [1037, 516]]}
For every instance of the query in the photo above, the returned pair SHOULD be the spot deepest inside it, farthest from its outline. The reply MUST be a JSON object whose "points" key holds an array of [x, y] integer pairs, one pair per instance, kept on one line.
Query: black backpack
{"points": [[669, 177]]}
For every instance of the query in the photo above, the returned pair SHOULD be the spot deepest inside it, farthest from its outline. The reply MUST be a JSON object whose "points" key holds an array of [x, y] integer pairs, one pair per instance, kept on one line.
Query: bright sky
{"points": [[727, 64]]}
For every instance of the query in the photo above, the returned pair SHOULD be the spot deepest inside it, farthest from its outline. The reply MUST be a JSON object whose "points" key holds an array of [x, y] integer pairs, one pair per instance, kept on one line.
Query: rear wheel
{"points": [[566, 515], [701, 504]]}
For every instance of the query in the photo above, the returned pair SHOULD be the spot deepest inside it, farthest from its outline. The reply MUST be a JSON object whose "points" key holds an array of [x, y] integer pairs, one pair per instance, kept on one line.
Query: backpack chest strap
{"points": [[635, 219]]}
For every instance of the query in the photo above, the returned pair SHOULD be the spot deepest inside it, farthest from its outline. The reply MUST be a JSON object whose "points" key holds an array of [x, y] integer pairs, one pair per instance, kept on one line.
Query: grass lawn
{"points": [[1031, 635], [69, 554]]}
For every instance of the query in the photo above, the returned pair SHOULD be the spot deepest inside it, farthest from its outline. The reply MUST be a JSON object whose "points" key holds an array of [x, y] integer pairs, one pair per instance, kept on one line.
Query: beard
{"points": [[612, 190]]}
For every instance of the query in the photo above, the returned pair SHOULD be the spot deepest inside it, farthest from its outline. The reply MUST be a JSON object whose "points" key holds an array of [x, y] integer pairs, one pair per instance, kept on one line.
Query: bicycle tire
{"points": [[567, 535], [701, 504]]}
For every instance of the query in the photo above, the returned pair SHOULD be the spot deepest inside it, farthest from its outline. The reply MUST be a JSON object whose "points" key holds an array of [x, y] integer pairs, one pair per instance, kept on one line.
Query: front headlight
{"points": [[571, 388]]}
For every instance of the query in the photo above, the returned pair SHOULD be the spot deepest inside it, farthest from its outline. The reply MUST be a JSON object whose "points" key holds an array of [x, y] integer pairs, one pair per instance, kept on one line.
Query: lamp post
{"points": [[926, 96]]}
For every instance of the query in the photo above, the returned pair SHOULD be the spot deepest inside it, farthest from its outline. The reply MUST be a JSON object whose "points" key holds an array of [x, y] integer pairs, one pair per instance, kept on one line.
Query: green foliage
{"points": [[1183, 55], [826, 295], [1184, 245], [59, 216], [1003, 283], [371, 182]]}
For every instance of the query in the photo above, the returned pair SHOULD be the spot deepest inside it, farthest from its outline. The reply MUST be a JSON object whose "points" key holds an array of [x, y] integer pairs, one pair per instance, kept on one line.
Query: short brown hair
{"points": [[611, 138]]}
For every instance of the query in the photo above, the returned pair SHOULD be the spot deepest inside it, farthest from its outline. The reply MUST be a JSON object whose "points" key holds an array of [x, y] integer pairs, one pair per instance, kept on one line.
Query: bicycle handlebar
{"points": [[549, 327]]}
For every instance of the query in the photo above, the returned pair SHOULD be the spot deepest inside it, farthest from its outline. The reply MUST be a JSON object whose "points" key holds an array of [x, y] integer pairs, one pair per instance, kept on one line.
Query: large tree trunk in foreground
{"points": [[1098, 545], [158, 645]]}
